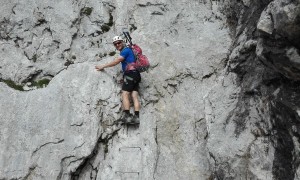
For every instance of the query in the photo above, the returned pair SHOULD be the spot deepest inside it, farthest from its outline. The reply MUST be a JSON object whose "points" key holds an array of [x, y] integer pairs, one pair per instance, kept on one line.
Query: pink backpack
{"points": [[141, 61]]}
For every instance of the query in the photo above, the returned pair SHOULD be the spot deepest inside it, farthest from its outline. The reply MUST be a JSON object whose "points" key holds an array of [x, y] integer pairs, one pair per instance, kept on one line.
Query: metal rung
{"points": [[128, 172]]}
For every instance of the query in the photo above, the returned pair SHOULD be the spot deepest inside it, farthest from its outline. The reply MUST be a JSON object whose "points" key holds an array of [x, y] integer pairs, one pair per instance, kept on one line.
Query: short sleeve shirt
{"points": [[128, 56]]}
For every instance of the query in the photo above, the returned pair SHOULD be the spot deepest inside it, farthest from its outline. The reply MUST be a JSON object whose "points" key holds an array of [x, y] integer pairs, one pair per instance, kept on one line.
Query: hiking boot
{"points": [[125, 118], [134, 120]]}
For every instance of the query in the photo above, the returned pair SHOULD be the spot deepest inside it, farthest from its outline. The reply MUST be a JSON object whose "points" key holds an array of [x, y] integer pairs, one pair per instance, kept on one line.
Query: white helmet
{"points": [[117, 38]]}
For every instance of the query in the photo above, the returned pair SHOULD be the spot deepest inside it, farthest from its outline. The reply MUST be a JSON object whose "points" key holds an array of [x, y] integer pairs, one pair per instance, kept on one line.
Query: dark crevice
{"points": [[68, 62], [87, 161], [262, 87], [40, 22], [37, 149], [47, 30], [17, 40], [32, 77], [208, 75], [283, 120], [246, 65], [13, 9], [106, 26], [157, 152], [31, 169], [132, 28], [78, 125], [151, 4], [79, 146], [75, 22], [62, 165], [57, 43], [157, 13]]}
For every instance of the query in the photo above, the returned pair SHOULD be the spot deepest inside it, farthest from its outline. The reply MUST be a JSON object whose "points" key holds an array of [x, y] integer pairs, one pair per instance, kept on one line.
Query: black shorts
{"points": [[131, 81]]}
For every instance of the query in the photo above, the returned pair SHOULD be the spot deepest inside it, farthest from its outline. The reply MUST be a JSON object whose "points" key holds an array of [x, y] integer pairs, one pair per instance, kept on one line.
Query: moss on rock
{"points": [[12, 84], [86, 11], [112, 53], [41, 83]]}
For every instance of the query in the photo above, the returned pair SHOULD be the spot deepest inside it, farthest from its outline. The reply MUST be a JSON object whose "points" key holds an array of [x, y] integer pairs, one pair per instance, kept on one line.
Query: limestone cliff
{"points": [[220, 101]]}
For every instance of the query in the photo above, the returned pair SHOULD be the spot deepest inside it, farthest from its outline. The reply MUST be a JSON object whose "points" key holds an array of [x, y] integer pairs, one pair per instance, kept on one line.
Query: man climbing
{"points": [[131, 79]]}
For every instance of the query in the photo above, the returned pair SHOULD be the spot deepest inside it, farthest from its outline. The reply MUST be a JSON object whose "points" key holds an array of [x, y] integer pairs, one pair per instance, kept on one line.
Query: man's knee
{"points": [[134, 94], [125, 93]]}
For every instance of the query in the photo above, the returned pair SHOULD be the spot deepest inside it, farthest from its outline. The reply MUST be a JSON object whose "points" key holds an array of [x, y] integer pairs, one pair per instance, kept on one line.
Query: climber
{"points": [[131, 79]]}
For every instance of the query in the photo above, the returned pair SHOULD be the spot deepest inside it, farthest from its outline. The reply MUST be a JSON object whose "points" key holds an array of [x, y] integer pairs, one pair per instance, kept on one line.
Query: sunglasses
{"points": [[117, 43]]}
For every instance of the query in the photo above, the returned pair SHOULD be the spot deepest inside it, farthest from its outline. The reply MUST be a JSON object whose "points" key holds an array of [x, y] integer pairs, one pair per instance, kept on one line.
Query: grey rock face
{"points": [[221, 100], [267, 106], [43, 128], [278, 46]]}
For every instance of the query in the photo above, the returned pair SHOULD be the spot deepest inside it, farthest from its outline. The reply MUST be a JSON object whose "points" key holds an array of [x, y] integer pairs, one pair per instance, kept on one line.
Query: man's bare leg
{"points": [[135, 98], [125, 99], [126, 117]]}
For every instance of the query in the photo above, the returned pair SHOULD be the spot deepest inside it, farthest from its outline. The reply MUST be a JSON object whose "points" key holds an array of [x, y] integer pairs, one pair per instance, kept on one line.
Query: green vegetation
{"points": [[12, 84], [41, 83], [112, 53], [86, 10]]}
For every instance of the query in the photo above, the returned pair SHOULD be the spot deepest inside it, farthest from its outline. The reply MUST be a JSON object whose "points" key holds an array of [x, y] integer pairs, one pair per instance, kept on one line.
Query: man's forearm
{"points": [[111, 64]]}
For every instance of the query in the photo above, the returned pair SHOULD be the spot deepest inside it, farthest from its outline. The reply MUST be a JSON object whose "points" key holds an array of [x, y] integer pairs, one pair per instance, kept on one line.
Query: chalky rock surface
{"points": [[220, 101]]}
